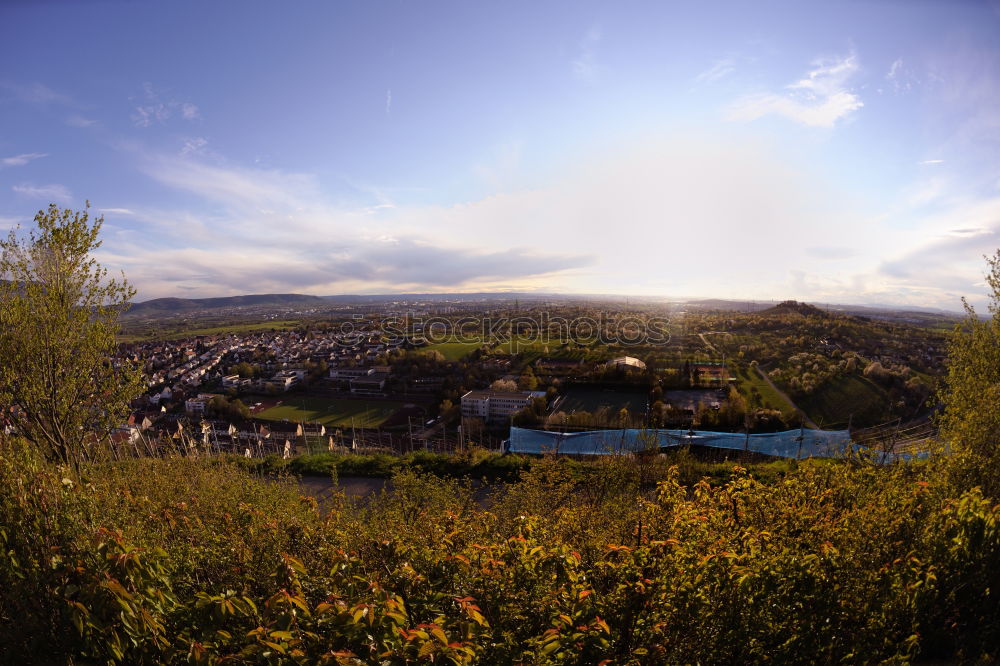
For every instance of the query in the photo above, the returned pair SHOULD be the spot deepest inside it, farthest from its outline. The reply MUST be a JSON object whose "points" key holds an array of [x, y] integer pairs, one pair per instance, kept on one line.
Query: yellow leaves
{"points": [[550, 647], [298, 602], [439, 634], [327, 607], [358, 612], [661, 543], [293, 564], [275, 646], [78, 614]]}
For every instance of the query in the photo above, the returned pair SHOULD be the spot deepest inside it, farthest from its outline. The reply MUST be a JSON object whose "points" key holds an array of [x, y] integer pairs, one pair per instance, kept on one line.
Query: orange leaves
{"points": [[472, 610]]}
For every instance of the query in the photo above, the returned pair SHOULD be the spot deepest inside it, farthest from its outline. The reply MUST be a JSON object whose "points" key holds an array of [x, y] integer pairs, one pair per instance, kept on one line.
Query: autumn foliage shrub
{"points": [[201, 561]]}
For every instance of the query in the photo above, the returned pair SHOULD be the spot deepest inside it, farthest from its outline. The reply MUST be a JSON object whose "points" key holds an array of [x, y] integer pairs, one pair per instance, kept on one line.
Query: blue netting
{"points": [[813, 444]]}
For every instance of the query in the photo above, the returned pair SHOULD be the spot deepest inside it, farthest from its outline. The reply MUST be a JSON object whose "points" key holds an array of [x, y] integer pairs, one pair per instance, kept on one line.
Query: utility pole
{"points": [[801, 438], [746, 426]]}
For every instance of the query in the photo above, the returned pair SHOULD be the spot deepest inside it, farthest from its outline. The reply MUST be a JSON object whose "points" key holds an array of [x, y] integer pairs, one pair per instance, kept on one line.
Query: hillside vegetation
{"points": [[186, 560], [196, 559]]}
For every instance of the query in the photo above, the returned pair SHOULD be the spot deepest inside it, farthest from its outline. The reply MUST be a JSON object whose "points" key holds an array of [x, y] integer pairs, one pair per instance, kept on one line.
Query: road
{"points": [[808, 421]]}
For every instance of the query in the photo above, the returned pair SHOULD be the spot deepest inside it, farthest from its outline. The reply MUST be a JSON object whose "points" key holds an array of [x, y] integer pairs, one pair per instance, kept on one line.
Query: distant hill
{"points": [[162, 306], [725, 305], [794, 307]]}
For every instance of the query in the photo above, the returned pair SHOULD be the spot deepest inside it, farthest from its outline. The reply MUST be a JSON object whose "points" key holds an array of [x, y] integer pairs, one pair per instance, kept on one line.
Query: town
{"points": [[443, 376]]}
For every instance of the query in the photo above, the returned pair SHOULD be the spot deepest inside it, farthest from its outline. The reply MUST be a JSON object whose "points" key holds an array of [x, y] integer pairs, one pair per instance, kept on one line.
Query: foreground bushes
{"points": [[480, 464], [155, 561]]}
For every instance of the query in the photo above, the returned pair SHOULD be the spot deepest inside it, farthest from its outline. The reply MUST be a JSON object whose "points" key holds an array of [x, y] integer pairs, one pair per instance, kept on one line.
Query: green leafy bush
{"points": [[181, 560]]}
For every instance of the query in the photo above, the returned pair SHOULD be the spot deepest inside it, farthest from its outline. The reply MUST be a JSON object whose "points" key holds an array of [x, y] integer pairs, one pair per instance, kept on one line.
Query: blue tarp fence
{"points": [[805, 443]]}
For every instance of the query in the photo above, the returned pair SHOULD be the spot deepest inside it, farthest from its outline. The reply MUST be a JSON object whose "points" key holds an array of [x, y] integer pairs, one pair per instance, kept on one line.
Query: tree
{"points": [[58, 320], [971, 396], [245, 370], [504, 386], [528, 381]]}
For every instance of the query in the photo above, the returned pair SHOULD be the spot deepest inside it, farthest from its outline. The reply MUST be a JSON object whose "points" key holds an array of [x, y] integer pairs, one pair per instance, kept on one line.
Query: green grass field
{"points": [[835, 402], [749, 378], [332, 411], [454, 351]]}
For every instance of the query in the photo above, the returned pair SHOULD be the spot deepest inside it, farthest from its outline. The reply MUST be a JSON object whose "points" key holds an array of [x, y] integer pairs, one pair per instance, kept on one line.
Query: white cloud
{"points": [[37, 93], [22, 159], [585, 66], [145, 116], [52, 193], [193, 145], [154, 109], [642, 220], [80, 121], [894, 68], [588, 231], [901, 77], [116, 211], [720, 69], [500, 172], [944, 260], [819, 99], [930, 162]]}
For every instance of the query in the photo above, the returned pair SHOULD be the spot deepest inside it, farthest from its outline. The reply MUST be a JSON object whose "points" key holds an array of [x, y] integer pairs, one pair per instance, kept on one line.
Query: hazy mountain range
{"points": [[173, 306]]}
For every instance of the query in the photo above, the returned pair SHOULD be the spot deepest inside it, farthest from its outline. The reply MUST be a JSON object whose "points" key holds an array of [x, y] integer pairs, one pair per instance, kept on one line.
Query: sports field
{"points": [[331, 411], [590, 400]]}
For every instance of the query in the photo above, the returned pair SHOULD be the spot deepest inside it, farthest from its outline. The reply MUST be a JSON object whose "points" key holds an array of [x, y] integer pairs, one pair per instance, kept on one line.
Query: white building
{"points": [[627, 363], [196, 406], [494, 406]]}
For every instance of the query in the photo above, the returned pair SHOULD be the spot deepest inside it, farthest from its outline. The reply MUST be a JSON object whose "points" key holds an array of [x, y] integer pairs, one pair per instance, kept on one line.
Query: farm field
{"points": [[331, 411], [590, 400]]}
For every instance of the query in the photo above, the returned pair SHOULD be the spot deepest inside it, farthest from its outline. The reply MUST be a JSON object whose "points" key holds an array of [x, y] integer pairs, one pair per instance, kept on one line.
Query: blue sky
{"points": [[837, 152]]}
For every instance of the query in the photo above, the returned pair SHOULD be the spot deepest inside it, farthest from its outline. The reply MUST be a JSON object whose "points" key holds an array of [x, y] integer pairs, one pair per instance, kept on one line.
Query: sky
{"points": [[838, 152]]}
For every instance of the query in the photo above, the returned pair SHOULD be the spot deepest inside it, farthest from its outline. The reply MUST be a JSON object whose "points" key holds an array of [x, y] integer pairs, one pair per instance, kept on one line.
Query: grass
{"points": [[332, 411], [750, 378], [454, 351], [836, 401]]}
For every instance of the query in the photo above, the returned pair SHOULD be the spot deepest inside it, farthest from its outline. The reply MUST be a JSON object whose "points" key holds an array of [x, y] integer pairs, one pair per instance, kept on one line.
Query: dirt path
{"points": [[805, 418]]}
